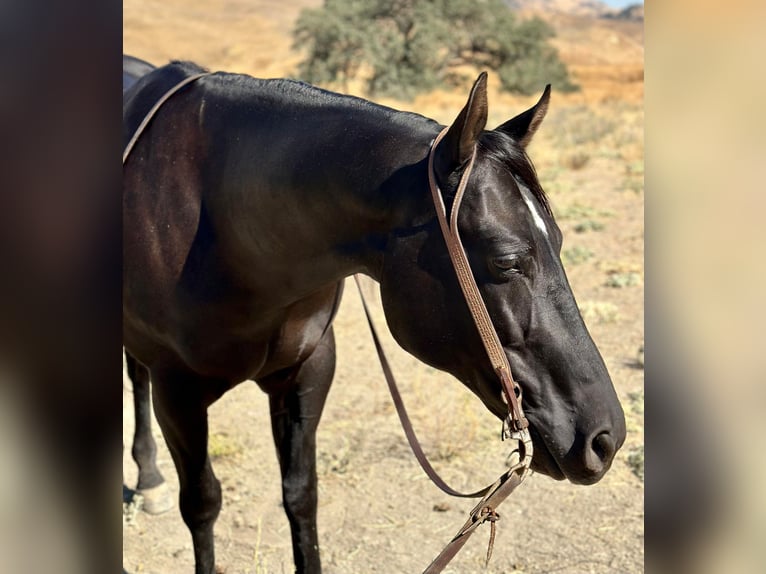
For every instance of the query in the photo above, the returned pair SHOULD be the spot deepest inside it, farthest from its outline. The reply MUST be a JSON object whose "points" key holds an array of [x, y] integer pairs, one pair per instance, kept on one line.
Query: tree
{"points": [[402, 47]]}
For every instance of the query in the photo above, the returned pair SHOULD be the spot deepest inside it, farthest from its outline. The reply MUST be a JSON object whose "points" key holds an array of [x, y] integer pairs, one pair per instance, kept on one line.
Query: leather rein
{"points": [[515, 426]]}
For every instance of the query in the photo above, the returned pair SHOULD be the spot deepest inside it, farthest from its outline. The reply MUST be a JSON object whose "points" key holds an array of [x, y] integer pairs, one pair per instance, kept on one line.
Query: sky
{"points": [[621, 3]]}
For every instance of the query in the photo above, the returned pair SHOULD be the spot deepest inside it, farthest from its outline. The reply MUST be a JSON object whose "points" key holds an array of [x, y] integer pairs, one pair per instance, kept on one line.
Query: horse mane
{"points": [[501, 148], [187, 66], [292, 91]]}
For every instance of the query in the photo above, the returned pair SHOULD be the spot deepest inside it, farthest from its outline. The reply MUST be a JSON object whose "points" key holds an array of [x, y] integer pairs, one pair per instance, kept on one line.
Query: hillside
{"points": [[606, 56], [250, 36], [592, 8], [589, 8], [254, 36], [603, 47]]}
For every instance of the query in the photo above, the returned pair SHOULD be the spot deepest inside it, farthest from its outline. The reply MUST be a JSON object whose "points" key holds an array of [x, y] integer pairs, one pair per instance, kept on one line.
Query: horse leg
{"points": [[181, 401], [295, 411], [151, 484]]}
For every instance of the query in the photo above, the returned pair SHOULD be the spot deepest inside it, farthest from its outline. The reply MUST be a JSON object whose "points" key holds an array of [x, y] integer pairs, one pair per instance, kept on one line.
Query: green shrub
{"points": [[402, 47]]}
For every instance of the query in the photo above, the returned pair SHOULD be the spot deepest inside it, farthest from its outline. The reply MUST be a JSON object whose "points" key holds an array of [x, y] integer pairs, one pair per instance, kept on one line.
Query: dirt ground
{"points": [[377, 510]]}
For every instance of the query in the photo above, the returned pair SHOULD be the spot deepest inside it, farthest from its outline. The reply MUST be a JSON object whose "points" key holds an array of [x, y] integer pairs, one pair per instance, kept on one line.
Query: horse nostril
{"points": [[603, 447], [598, 450]]}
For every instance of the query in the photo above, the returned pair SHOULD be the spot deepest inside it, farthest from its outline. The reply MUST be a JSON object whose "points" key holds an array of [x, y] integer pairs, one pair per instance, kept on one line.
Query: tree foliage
{"points": [[401, 47]]}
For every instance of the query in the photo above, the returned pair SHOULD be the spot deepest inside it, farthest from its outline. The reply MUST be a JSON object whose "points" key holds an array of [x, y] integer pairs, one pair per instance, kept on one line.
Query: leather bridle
{"points": [[495, 352], [515, 426]]}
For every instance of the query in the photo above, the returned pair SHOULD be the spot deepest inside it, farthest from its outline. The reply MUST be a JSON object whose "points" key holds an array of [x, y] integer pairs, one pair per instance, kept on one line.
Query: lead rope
{"points": [[404, 418], [514, 427]]}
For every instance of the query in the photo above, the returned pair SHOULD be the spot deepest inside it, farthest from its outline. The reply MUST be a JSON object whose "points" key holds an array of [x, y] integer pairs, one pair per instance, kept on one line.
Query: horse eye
{"points": [[507, 264]]}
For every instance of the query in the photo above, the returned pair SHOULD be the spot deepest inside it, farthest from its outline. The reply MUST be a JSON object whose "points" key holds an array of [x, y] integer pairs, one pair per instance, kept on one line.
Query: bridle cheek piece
{"points": [[497, 357]]}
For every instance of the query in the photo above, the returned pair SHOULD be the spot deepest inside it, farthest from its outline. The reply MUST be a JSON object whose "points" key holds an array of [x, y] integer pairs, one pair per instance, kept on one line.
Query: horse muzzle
{"points": [[585, 460]]}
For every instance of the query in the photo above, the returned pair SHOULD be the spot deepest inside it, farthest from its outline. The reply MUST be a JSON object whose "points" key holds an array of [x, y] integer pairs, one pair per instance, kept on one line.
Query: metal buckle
{"points": [[524, 448]]}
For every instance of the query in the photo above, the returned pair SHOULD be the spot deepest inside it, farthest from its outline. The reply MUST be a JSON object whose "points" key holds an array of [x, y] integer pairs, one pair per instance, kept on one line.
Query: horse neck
{"points": [[378, 192], [323, 207]]}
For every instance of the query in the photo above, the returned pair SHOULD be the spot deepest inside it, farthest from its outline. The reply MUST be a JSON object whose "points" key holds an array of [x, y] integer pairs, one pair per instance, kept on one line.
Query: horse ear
{"points": [[523, 127], [460, 140]]}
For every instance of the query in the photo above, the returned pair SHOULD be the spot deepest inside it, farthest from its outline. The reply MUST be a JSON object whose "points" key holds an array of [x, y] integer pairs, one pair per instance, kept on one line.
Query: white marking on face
{"points": [[536, 217]]}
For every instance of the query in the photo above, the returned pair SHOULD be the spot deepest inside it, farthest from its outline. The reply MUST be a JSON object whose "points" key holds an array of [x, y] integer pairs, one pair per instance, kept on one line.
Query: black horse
{"points": [[247, 202], [132, 69]]}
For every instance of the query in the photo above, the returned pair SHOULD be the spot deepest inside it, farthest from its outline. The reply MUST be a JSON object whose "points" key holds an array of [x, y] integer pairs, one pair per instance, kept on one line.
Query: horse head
{"points": [[513, 245]]}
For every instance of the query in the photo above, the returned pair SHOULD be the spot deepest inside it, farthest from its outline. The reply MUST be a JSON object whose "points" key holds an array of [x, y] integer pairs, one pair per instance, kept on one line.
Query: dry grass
{"points": [[222, 445], [599, 312], [620, 280], [577, 211], [576, 255], [635, 460]]}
